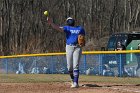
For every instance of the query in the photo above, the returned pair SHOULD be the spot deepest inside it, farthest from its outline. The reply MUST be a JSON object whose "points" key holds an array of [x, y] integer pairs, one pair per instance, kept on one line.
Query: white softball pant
{"points": [[73, 54]]}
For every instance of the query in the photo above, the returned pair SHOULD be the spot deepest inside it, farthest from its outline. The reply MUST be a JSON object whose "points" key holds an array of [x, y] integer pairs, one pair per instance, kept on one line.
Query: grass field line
{"points": [[21, 78]]}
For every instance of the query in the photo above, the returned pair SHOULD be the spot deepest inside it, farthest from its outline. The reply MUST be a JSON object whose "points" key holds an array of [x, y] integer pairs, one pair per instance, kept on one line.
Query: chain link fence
{"points": [[119, 64]]}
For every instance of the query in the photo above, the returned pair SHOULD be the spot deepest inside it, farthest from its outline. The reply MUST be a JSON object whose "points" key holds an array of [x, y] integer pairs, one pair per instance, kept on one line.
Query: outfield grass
{"points": [[42, 78]]}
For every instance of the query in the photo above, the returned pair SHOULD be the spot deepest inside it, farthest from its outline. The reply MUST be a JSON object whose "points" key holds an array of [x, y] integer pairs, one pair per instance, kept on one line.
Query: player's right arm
{"points": [[50, 22]]}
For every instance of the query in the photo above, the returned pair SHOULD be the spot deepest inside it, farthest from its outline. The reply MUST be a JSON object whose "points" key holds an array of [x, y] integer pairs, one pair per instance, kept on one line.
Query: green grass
{"points": [[42, 78]]}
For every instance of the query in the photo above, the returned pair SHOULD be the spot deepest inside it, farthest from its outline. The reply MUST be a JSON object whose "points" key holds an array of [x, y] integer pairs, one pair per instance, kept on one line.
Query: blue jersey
{"points": [[72, 34]]}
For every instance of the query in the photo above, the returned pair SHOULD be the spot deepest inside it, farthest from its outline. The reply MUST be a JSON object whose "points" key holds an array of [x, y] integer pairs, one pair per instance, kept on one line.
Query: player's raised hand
{"points": [[46, 13], [49, 20]]}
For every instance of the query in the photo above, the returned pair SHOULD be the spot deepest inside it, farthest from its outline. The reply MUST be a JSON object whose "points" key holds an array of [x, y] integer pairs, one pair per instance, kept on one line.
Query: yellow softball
{"points": [[46, 13]]}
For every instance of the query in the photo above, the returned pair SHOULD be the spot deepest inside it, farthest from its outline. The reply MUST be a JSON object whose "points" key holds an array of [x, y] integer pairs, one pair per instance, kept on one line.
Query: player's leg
{"points": [[69, 57], [76, 58]]}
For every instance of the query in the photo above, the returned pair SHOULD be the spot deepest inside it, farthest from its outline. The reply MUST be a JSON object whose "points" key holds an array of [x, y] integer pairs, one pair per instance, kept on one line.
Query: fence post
{"points": [[6, 67], [85, 63], [100, 65], [35, 65], [52, 64], [120, 65]]}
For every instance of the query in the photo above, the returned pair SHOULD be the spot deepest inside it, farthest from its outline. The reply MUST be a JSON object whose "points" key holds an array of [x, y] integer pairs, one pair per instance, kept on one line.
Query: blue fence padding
{"points": [[90, 64]]}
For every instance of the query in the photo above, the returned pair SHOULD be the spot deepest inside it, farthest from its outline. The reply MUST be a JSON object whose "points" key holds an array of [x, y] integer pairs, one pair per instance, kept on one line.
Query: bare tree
{"points": [[23, 27]]}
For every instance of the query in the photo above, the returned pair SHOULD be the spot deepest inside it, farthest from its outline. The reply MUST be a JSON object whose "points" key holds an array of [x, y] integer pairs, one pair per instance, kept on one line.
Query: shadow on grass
{"points": [[95, 85], [91, 85]]}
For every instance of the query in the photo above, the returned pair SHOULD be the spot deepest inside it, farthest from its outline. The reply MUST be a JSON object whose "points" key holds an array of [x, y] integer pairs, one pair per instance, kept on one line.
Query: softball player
{"points": [[73, 50]]}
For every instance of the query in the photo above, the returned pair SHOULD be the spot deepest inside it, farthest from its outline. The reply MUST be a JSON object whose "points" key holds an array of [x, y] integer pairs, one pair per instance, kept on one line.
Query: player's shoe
{"points": [[73, 85]]}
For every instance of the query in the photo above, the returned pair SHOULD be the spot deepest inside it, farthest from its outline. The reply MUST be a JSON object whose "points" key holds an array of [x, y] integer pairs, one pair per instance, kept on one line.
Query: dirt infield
{"points": [[64, 87]]}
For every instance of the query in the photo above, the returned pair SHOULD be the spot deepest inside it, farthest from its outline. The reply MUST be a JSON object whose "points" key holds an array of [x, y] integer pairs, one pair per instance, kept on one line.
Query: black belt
{"points": [[72, 44]]}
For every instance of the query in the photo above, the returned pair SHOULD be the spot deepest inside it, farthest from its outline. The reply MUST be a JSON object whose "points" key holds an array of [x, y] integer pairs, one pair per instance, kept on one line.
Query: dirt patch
{"points": [[64, 87]]}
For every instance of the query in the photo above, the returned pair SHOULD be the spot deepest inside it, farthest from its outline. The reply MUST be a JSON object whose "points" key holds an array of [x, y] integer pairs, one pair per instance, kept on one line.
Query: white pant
{"points": [[73, 54]]}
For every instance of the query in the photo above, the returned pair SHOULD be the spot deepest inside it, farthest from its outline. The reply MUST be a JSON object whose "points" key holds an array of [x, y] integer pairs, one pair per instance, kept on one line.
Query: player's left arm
{"points": [[82, 32], [81, 38]]}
